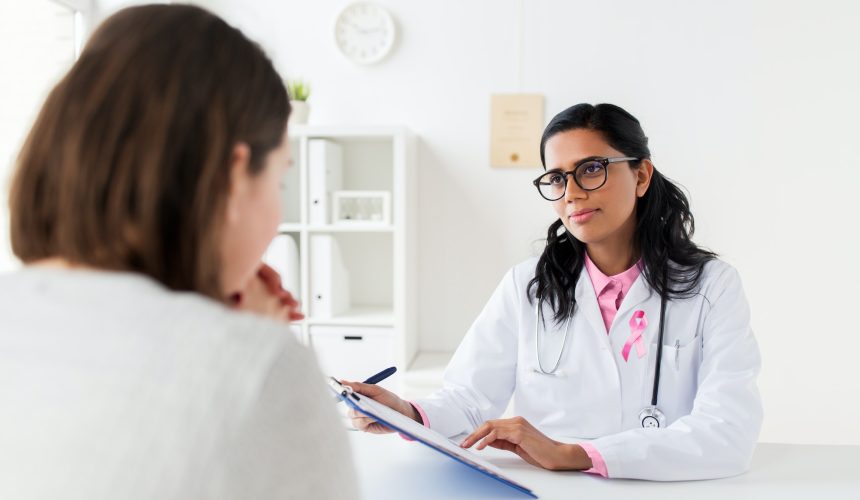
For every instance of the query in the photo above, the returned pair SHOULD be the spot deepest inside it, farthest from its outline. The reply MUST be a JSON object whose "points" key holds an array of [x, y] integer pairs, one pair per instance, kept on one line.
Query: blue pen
{"points": [[379, 377]]}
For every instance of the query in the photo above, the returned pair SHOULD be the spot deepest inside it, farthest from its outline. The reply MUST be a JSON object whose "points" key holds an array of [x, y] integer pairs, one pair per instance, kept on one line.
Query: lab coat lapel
{"points": [[586, 300], [639, 293]]}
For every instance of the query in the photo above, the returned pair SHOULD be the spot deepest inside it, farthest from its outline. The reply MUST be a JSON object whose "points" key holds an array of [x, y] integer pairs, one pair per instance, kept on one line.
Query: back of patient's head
{"points": [[127, 164]]}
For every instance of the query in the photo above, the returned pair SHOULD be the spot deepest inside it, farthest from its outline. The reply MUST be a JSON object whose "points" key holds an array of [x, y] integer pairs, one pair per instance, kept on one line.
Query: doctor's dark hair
{"points": [[664, 223], [127, 166]]}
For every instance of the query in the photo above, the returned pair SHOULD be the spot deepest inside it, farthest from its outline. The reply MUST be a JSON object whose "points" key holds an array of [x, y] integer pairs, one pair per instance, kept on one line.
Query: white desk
{"points": [[391, 468]]}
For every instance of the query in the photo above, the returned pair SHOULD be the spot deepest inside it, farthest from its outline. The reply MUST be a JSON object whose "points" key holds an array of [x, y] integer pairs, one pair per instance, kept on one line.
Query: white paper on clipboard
{"points": [[413, 429]]}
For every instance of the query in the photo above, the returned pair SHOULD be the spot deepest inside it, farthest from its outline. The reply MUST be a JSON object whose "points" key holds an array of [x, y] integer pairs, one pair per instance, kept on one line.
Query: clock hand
{"points": [[379, 28], [355, 26]]}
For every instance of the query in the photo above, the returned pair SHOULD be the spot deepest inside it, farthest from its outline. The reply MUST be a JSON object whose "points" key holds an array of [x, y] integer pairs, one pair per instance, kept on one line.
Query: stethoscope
{"points": [[650, 416]]}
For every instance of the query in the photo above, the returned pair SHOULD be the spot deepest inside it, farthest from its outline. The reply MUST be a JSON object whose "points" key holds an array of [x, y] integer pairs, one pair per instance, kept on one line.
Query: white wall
{"points": [[752, 105]]}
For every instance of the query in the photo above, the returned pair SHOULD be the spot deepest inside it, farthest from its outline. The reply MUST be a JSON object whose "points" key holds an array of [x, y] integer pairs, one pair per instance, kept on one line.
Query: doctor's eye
{"points": [[592, 169], [555, 179]]}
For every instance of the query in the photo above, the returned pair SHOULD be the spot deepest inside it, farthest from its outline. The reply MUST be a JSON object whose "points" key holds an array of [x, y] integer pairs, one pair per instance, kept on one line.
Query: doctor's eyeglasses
{"points": [[589, 174]]}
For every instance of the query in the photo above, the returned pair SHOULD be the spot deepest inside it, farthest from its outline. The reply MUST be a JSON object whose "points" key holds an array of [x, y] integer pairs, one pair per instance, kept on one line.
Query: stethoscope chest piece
{"points": [[652, 418]]}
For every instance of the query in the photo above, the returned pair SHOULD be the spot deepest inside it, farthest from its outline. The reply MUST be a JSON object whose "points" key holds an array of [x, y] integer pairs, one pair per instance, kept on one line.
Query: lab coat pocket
{"points": [[679, 372]]}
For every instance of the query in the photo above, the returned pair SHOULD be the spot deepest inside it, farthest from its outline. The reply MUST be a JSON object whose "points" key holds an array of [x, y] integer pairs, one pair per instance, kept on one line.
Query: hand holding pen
{"points": [[370, 389]]}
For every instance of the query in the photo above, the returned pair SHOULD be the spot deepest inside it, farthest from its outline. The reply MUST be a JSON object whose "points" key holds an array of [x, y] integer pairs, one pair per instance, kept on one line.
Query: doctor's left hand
{"points": [[518, 436]]}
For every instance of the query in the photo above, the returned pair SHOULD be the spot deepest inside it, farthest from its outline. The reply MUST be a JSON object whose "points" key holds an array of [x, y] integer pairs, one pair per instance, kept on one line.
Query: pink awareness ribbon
{"points": [[638, 324]]}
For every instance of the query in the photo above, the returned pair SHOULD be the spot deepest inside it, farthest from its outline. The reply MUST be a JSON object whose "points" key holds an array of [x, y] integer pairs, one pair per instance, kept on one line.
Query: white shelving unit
{"points": [[378, 328]]}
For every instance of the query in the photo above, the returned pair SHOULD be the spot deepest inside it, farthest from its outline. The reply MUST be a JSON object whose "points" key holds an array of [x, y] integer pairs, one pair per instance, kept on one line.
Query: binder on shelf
{"points": [[283, 256], [329, 278], [325, 175]]}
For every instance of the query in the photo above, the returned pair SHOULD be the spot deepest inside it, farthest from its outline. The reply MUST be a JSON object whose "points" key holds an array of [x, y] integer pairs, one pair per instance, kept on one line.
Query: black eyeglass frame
{"points": [[581, 163]]}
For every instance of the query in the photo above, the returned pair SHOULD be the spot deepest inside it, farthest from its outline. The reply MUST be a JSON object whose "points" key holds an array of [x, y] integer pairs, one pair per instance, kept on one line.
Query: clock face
{"points": [[364, 32]]}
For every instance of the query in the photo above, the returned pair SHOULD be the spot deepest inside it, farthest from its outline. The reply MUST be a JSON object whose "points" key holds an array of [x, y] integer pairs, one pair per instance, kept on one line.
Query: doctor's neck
{"points": [[611, 258]]}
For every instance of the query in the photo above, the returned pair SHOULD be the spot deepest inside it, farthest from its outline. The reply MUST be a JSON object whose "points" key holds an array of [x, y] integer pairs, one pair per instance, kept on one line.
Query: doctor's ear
{"points": [[643, 177]]}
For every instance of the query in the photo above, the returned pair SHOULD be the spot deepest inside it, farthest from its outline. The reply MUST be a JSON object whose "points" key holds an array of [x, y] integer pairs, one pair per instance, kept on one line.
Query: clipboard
{"points": [[418, 432]]}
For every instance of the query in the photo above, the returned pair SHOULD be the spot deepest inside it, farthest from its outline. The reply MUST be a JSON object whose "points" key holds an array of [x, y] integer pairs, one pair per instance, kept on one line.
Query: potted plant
{"points": [[299, 91]]}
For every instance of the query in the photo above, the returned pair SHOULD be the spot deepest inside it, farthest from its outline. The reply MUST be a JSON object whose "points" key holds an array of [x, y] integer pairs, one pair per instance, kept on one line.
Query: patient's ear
{"points": [[240, 177]]}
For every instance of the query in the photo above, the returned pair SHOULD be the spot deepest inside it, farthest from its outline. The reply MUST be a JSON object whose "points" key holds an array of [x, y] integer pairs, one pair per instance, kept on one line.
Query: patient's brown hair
{"points": [[127, 164]]}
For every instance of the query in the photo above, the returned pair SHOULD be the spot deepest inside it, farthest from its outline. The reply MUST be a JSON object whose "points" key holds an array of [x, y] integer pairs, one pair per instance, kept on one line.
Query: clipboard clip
{"points": [[345, 390]]}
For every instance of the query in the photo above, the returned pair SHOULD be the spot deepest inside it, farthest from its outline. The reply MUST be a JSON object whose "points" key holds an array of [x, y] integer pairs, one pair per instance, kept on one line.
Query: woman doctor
{"points": [[625, 341]]}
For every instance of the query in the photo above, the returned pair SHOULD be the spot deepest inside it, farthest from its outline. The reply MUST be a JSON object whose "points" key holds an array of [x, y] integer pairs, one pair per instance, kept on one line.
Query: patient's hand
{"points": [[264, 295]]}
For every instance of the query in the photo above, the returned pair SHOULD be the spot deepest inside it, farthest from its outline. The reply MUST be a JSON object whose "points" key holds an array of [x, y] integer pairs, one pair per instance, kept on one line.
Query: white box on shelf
{"points": [[354, 352], [325, 175], [329, 278], [362, 207]]}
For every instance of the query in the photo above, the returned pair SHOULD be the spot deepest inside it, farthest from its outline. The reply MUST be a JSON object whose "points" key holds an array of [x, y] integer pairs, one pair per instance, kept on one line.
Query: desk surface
{"points": [[389, 467]]}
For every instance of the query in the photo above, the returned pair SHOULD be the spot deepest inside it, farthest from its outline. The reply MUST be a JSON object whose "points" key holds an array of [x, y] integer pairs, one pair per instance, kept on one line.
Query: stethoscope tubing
{"points": [[553, 371]]}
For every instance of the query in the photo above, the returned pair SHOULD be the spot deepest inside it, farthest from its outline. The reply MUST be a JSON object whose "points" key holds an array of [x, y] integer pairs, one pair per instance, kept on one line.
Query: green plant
{"points": [[299, 90]]}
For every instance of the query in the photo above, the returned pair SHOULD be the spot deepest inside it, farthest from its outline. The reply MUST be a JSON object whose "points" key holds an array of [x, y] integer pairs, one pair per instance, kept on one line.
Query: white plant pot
{"points": [[299, 114]]}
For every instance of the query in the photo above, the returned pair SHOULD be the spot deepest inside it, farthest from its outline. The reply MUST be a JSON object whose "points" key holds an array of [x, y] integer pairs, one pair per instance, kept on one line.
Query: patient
{"points": [[136, 358]]}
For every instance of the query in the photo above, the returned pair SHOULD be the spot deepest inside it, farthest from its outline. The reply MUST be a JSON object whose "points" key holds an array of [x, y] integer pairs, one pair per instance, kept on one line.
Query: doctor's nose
{"points": [[572, 191]]}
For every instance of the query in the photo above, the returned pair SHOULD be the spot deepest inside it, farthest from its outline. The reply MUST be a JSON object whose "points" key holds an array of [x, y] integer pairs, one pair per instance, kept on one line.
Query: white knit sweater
{"points": [[113, 387]]}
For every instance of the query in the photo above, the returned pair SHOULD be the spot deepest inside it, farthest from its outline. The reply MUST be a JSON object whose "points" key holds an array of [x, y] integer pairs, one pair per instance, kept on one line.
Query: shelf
{"points": [[289, 227], [358, 316], [346, 131], [352, 228], [375, 256], [293, 227]]}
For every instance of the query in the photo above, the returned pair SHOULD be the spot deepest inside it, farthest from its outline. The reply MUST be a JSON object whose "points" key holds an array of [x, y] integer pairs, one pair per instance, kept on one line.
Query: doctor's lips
{"points": [[582, 216]]}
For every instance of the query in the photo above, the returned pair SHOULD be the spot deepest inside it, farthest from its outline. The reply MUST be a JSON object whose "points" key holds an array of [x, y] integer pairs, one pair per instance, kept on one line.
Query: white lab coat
{"points": [[707, 388]]}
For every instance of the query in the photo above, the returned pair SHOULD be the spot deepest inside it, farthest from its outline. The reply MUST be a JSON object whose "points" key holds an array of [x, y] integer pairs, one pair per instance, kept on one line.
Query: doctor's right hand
{"points": [[383, 396]]}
